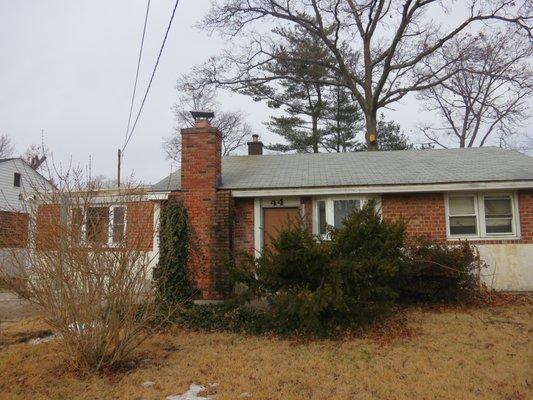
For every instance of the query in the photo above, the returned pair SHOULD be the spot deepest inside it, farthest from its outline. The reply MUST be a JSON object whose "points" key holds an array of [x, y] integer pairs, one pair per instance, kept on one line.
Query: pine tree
{"points": [[390, 136], [344, 122], [299, 96]]}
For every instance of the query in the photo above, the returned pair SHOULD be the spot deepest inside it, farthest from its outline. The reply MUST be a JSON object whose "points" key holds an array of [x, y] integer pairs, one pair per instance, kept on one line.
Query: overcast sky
{"points": [[67, 67]]}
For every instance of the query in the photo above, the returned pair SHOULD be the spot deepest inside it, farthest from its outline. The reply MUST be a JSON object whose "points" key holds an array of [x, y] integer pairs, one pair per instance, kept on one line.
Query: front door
{"points": [[276, 219]]}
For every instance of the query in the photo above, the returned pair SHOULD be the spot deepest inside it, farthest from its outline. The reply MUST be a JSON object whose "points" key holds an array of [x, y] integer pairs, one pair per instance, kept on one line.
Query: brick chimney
{"points": [[255, 147], [207, 206]]}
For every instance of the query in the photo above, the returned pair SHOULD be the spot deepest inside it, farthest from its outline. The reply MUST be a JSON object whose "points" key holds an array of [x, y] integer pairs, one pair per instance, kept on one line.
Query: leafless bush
{"points": [[88, 267]]}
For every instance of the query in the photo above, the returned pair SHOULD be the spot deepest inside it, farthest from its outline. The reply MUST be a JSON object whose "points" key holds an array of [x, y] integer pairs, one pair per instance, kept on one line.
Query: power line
{"points": [[138, 68], [152, 77]]}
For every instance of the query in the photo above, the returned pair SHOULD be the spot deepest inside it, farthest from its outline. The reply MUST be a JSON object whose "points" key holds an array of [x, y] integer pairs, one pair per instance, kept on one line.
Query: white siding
{"points": [[510, 266], [11, 197]]}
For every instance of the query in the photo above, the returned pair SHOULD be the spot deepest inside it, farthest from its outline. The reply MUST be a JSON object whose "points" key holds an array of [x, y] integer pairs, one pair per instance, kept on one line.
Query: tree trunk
{"points": [[315, 133], [371, 135]]}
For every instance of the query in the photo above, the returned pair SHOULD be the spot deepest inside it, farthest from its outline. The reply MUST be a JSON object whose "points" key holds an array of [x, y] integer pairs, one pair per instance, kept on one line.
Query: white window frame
{"points": [[476, 215], [479, 203], [330, 217], [110, 225]]}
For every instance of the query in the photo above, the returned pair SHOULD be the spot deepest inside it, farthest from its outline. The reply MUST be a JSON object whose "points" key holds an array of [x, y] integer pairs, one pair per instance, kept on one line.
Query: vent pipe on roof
{"points": [[255, 147]]}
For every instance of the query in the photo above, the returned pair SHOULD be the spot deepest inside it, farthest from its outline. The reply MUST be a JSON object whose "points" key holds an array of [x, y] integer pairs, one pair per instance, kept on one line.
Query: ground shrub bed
{"points": [[356, 277], [225, 316]]}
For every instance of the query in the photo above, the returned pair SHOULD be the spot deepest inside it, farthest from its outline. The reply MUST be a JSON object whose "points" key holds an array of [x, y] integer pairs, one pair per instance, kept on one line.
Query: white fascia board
{"points": [[158, 195], [437, 187]]}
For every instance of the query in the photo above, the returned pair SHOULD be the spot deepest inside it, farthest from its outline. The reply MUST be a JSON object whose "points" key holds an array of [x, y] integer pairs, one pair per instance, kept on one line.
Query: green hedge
{"points": [[323, 287]]}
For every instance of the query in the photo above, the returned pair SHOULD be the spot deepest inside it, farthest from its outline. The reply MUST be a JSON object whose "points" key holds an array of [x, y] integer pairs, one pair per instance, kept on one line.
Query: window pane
{"points": [[462, 205], [97, 224], [322, 217], [498, 206], [341, 209], [76, 223], [16, 179], [119, 214], [499, 225], [463, 226]]}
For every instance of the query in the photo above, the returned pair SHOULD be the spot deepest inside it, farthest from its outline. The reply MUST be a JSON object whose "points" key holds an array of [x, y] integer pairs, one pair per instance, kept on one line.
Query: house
{"points": [[100, 220], [17, 182], [236, 203]]}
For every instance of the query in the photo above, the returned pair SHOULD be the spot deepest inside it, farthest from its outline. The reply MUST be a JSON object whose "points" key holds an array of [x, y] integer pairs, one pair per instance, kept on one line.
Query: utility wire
{"points": [[138, 68], [152, 77]]}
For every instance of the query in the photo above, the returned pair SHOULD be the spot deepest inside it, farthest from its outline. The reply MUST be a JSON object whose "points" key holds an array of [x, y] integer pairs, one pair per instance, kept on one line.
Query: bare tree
{"points": [[6, 146], [487, 98], [379, 49], [103, 182], [35, 155], [231, 124]]}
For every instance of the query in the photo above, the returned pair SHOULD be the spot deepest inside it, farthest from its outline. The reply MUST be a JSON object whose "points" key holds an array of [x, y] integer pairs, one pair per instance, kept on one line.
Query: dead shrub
{"points": [[88, 267]]}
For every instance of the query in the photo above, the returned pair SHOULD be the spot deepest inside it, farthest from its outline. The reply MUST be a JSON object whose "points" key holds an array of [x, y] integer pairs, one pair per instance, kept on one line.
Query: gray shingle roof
{"points": [[487, 164]]}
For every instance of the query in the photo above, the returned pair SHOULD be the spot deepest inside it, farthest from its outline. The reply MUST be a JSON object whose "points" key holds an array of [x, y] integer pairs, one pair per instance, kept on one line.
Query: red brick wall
{"points": [[48, 226], [223, 243], [140, 225], [525, 206], [425, 216], [13, 229], [423, 213], [209, 209], [201, 159], [244, 226]]}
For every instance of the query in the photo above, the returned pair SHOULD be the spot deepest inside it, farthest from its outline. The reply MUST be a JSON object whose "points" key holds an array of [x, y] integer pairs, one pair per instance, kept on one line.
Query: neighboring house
{"points": [[237, 203], [17, 182]]}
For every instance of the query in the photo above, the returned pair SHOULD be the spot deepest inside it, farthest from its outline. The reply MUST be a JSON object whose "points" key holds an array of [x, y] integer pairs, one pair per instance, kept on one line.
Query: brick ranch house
{"points": [[236, 203]]}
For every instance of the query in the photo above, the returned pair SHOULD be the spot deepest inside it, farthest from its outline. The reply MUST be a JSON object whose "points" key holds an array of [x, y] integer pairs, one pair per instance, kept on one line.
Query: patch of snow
{"points": [[191, 394], [42, 339], [148, 383]]}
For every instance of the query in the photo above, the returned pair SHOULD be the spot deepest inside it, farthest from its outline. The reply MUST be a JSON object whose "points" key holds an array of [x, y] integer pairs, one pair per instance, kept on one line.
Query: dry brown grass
{"points": [[482, 353]]}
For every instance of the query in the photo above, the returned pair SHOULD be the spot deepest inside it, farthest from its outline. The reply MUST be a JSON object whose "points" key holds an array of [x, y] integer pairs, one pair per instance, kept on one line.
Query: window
{"points": [[498, 215], [97, 224], [119, 224], [322, 224], [16, 179], [103, 224], [76, 224], [463, 219], [341, 209], [481, 215], [333, 211]]}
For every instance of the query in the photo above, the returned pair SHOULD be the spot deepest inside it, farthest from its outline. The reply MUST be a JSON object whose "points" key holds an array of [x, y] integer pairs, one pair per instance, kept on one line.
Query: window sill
{"points": [[484, 238]]}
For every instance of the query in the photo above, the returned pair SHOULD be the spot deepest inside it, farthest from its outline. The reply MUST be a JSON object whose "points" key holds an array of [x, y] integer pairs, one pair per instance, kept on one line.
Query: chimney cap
{"points": [[255, 137], [208, 115]]}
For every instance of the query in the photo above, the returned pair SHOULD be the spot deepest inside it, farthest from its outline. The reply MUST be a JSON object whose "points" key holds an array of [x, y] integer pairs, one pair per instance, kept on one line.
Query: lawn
{"points": [[473, 353]]}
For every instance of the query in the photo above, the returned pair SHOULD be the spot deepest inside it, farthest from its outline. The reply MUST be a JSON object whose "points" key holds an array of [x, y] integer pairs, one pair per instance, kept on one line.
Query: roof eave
{"points": [[375, 189]]}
